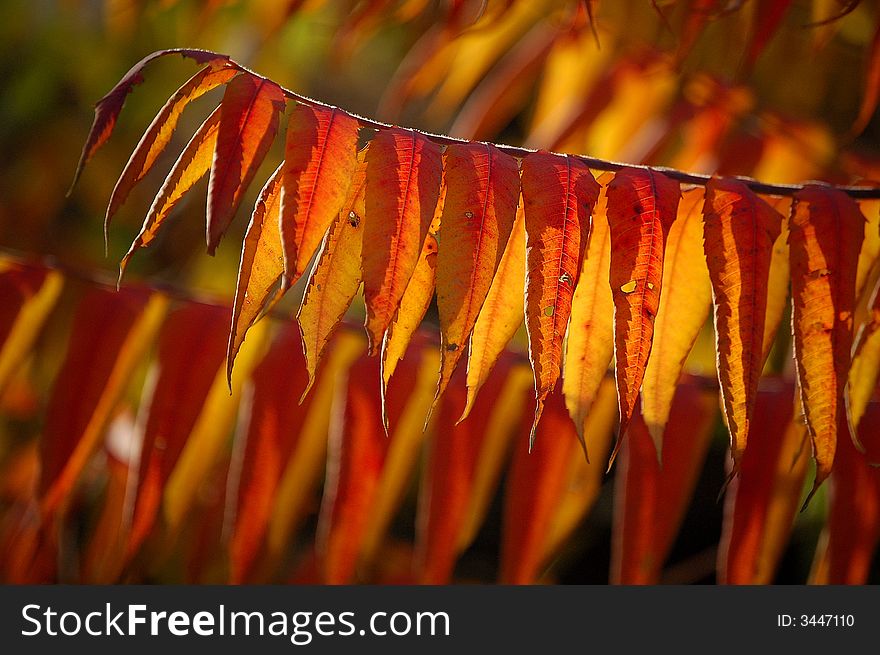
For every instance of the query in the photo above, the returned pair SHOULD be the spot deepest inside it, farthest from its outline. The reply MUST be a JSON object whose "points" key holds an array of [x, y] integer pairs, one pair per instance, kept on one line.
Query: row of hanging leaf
{"points": [[479, 228], [107, 497]]}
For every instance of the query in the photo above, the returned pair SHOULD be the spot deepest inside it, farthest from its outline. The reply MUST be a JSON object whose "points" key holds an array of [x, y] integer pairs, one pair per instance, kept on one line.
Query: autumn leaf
{"points": [[336, 276], [249, 114], [266, 445], [403, 186], [740, 232], [482, 192], [191, 166], [762, 501], [642, 205], [590, 341], [409, 315], [651, 500], [849, 539], [558, 197], [108, 108], [320, 159], [260, 268], [501, 315], [451, 464], [865, 369], [159, 133], [826, 233], [687, 297], [110, 334]]}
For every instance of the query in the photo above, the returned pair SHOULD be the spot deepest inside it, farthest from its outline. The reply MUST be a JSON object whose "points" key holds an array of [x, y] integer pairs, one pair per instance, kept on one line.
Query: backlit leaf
{"points": [[558, 197], [590, 342], [194, 162], [336, 276], [320, 159], [502, 312], [687, 297], [413, 305], [762, 501], [740, 232], [159, 133], [849, 540], [403, 187], [826, 232], [260, 268], [865, 370], [248, 122], [107, 108], [651, 500], [642, 205], [482, 192]]}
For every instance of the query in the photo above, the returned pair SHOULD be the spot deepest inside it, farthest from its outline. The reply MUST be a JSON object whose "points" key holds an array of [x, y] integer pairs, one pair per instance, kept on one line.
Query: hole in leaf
{"points": [[629, 287]]}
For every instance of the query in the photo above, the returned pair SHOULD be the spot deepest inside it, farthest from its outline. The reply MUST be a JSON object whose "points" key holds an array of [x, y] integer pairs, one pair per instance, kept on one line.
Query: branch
{"points": [[685, 177]]}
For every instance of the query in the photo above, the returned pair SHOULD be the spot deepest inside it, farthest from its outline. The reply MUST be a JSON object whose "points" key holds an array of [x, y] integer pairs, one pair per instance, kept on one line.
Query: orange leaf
{"points": [[248, 122], [336, 276], [687, 297], [271, 436], [590, 342], [740, 232], [107, 108], [550, 488], [409, 315], [159, 133], [403, 186], [320, 159], [260, 268], [190, 167], [482, 192], [642, 205], [651, 501], [452, 461], [558, 196], [762, 501], [850, 537], [357, 452], [826, 233], [502, 312]]}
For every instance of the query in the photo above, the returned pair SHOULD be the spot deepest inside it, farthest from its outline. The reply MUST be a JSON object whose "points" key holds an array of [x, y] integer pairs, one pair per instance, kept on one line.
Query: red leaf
{"points": [[248, 121], [642, 205], [761, 503], [558, 196], [319, 162], [272, 433], [849, 540], [403, 186], [650, 500], [482, 191]]}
